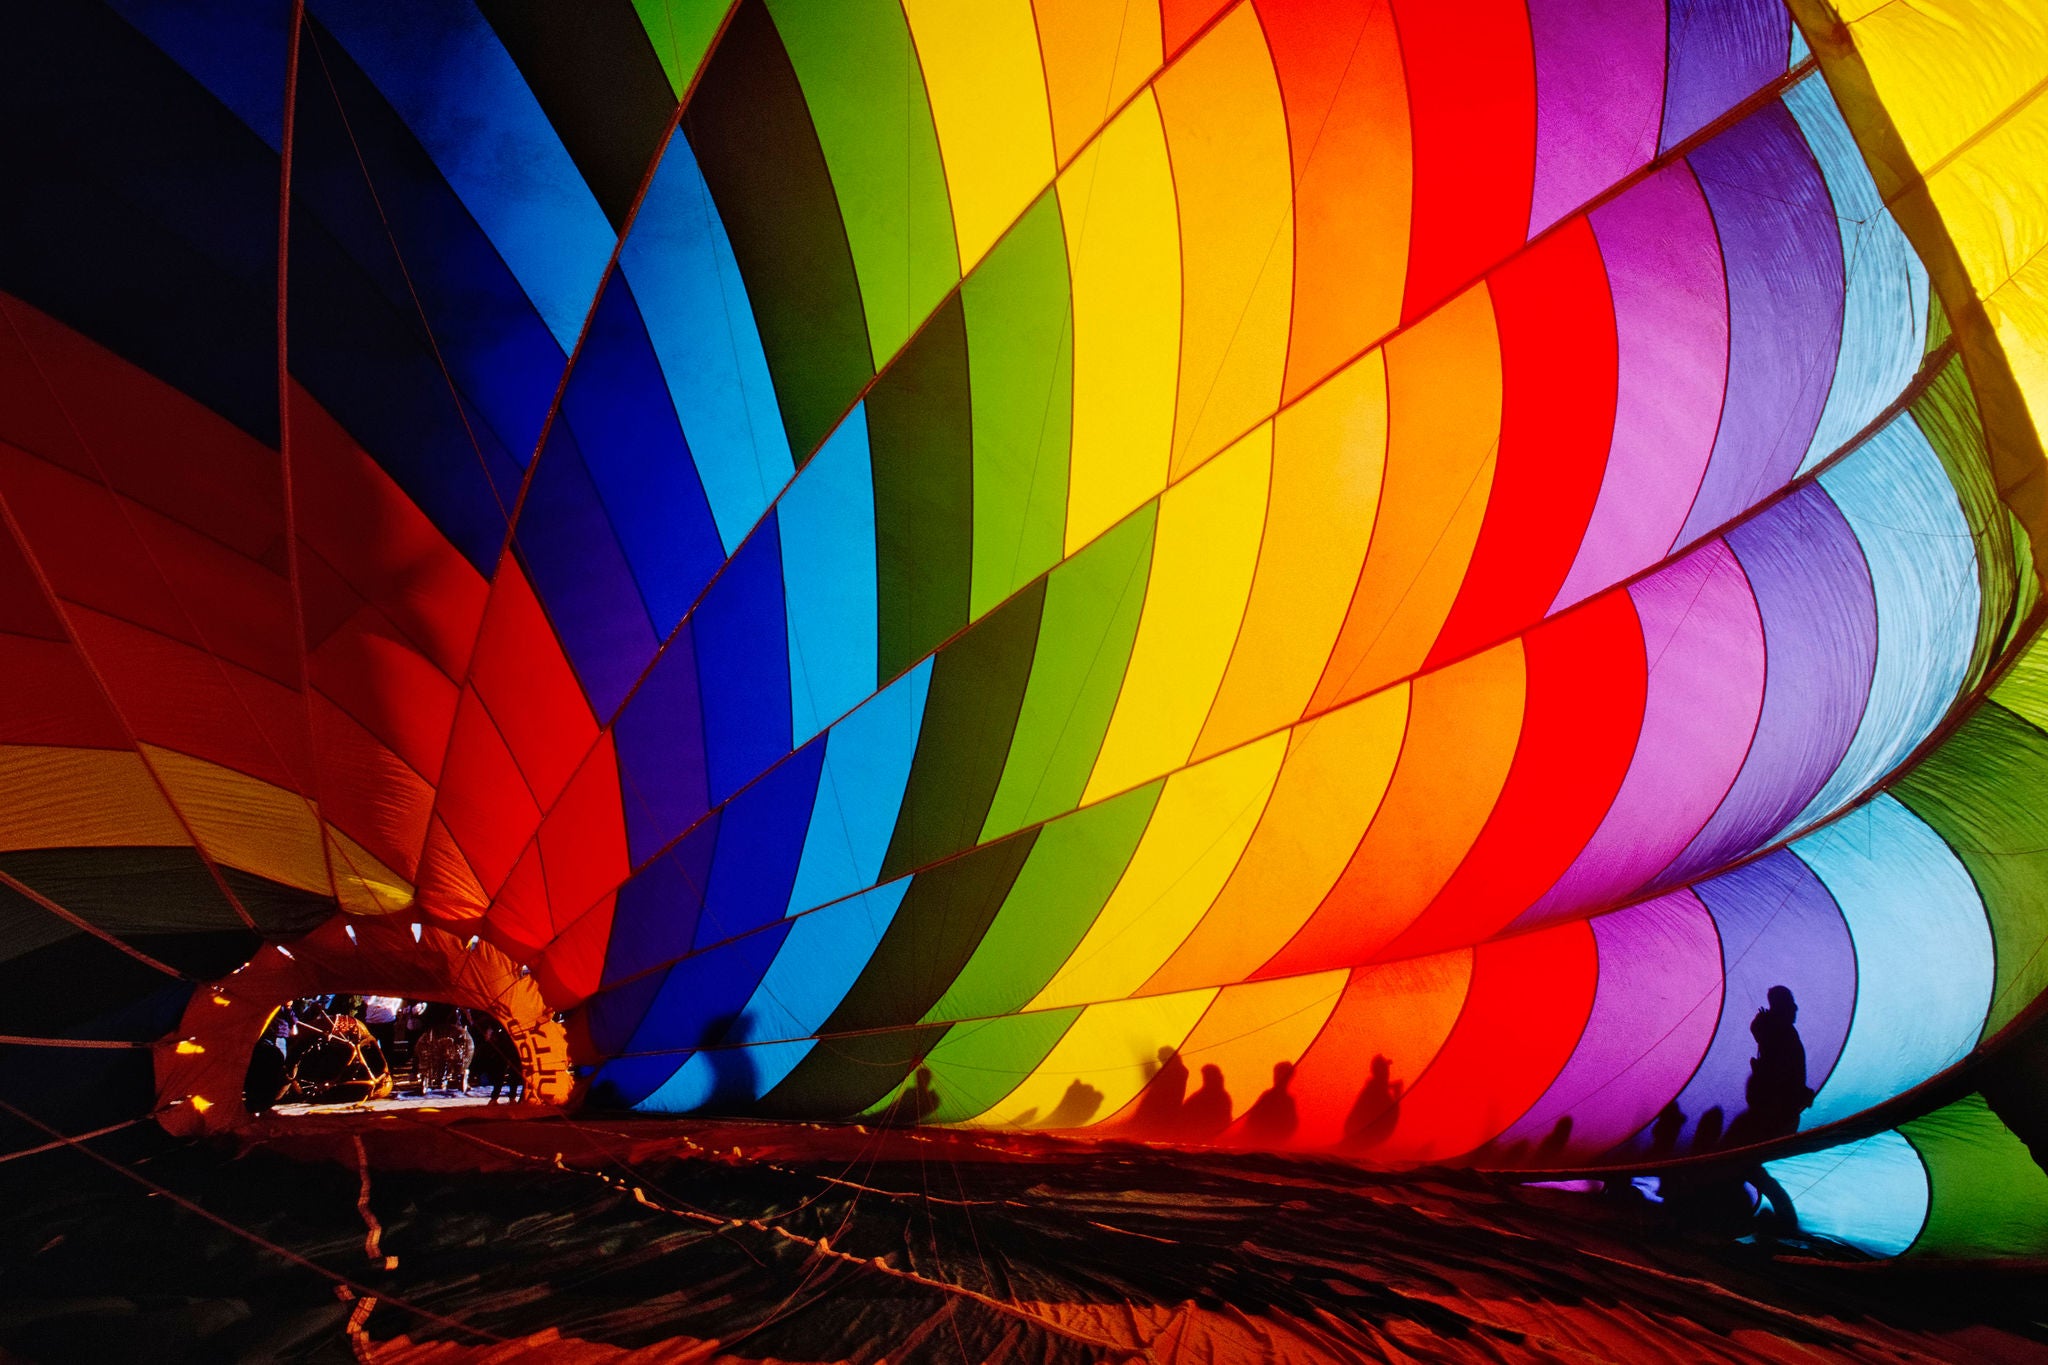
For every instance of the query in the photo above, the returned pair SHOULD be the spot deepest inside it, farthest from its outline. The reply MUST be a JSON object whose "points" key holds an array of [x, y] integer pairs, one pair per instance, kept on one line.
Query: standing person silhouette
{"points": [[1159, 1107], [1777, 1094], [1273, 1118]]}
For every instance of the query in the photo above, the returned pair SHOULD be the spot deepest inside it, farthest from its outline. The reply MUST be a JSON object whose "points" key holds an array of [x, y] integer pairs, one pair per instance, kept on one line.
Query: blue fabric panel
{"points": [[823, 956], [725, 1080], [743, 665], [451, 80], [238, 49], [614, 1014], [1884, 312], [1923, 954], [627, 432], [1719, 51], [828, 572], [660, 736], [867, 763], [581, 575], [1871, 1194], [703, 995], [361, 171], [760, 842], [1923, 568], [625, 1081], [702, 327], [1779, 927], [655, 919]]}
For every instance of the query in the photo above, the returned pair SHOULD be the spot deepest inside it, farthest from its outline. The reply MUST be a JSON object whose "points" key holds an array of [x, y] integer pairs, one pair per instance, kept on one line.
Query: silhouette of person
{"points": [[1377, 1108], [1555, 1141], [1159, 1107], [732, 1070], [1076, 1106], [1777, 1093], [916, 1102], [1272, 1118], [1664, 1132], [1208, 1110]]}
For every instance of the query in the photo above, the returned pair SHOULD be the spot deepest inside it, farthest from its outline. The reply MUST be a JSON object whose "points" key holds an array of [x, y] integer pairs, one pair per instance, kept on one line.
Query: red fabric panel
{"points": [[524, 678], [351, 515], [447, 889], [368, 792], [48, 696], [519, 920], [182, 698], [24, 605], [569, 970], [388, 688], [583, 839], [483, 798], [1472, 96], [1587, 682], [1529, 1001], [1559, 371]]}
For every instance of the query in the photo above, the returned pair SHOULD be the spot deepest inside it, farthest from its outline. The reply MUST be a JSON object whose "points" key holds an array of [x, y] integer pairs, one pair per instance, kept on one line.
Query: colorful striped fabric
{"points": [[980, 561]]}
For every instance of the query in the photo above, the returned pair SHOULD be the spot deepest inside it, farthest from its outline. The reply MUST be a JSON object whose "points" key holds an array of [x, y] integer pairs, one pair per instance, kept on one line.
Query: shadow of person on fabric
{"points": [[732, 1070], [1273, 1117], [916, 1103], [1077, 1105], [1207, 1112], [1158, 1112], [1376, 1110], [1777, 1095]]}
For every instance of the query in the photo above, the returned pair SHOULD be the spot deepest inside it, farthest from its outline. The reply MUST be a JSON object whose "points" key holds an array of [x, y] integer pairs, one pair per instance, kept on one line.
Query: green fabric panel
{"points": [[977, 685], [2024, 688], [594, 70], [1020, 347], [1947, 415], [935, 931], [752, 133], [842, 1076], [681, 32], [1985, 791], [866, 92], [921, 440], [1986, 1197], [976, 1064], [1077, 863], [2029, 592], [1092, 605]]}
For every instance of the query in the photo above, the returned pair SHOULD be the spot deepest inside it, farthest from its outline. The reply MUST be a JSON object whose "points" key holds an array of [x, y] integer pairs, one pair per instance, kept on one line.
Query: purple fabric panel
{"points": [[1779, 927], [1599, 98], [1654, 1013], [1820, 639], [1783, 254], [1721, 52], [1671, 322], [660, 733], [1705, 646]]}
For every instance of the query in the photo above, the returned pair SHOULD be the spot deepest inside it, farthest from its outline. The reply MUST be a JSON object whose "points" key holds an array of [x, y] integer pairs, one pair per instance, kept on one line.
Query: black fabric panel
{"points": [[69, 986], [921, 435], [977, 690], [599, 82], [167, 891], [936, 929], [139, 211], [754, 139], [842, 1076], [72, 1090]]}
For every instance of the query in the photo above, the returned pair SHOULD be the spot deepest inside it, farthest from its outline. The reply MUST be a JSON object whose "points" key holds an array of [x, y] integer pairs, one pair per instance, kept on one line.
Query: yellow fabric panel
{"points": [[1104, 1059], [1198, 831], [82, 798], [245, 822], [1331, 784], [1123, 249], [1097, 53], [1444, 399], [1203, 556], [1329, 452], [1227, 132], [364, 885], [1947, 68], [987, 91]]}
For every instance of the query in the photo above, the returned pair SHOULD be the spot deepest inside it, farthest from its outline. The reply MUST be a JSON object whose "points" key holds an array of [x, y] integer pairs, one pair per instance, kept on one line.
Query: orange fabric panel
{"points": [[482, 797], [1443, 434], [1463, 727], [583, 839], [448, 889], [522, 676], [1400, 1013], [1347, 118], [1096, 55], [1528, 1004], [1181, 20]]}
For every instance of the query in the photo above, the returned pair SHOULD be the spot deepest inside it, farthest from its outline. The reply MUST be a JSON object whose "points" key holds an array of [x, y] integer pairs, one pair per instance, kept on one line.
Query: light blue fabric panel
{"points": [[1923, 568], [1801, 51], [867, 764], [733, 1076], [828, 573], [1871, 1194], [820, 960], [680, 264], [1924, 958], [451, 80], [1884, 308]]}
